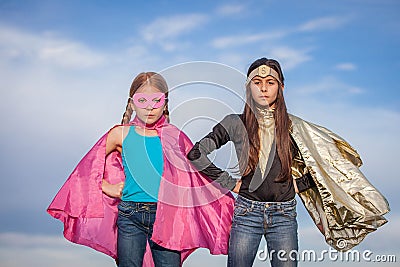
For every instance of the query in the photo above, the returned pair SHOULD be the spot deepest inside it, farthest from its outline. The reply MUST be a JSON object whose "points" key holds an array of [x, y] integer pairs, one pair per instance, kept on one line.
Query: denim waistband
{"points": [[139, 205], [264, 205]]}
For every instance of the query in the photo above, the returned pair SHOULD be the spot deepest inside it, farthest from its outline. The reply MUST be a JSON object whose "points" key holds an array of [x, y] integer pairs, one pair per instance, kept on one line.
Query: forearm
{"points": [[104, 185], [112, 190]]}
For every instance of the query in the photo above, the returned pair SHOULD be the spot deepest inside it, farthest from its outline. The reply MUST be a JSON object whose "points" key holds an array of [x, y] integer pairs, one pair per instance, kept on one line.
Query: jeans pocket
{"points": [[240, 210], [124, 209]]}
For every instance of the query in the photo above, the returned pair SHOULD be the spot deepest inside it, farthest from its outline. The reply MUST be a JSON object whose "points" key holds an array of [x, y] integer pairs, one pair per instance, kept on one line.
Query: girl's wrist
{"points": [[104, 184]]}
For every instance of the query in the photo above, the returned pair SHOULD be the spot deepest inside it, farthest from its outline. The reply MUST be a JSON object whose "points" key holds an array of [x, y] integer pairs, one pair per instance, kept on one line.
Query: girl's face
{"points": [[148, 103], [264, 91]]}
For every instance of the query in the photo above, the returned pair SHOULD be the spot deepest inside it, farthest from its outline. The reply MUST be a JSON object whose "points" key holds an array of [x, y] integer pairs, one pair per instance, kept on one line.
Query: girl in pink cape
{"points": [[135, 196]]}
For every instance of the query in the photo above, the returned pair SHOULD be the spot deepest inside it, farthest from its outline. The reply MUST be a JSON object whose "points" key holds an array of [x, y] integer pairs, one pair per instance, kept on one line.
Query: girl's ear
{"points": [[283, 87]]}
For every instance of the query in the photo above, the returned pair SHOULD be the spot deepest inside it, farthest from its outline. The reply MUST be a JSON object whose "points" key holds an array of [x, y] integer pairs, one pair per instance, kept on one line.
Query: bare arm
{"points": [[112, 190], [114, 142], [237, 187]]}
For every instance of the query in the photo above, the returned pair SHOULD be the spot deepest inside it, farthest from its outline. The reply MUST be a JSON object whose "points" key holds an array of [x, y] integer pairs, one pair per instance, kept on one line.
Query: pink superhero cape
{"points": [[192, 212]]}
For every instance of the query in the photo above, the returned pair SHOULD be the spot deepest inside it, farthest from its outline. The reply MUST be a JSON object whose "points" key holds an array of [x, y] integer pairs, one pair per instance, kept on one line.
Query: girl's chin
{"points": [[262, 105], [150, 119]]}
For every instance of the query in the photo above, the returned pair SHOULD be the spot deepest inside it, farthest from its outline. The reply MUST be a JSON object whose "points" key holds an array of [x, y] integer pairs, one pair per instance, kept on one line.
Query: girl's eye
{"points": [[256, 82], [156, 100], [141, 100]]}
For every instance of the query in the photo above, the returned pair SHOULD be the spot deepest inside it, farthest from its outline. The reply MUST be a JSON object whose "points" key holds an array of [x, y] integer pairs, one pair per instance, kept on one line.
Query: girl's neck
{"points": [[264, 113], [145, 132], [148, 129], [265, 117]]}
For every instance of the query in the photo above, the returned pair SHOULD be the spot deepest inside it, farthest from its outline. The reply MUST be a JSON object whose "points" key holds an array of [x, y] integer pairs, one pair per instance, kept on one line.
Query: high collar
{"points": [[265, 116]]}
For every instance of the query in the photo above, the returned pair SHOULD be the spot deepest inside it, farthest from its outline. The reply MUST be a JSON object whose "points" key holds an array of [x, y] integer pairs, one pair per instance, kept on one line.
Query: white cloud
{"points": [[166, 28], [240, 40], [290, 57], [18, 249], [238, 60], [230, 9], [324, 23], [328, 84], [312, 25], [347, 66], [69, 54], [17, 44], [12, 239]]}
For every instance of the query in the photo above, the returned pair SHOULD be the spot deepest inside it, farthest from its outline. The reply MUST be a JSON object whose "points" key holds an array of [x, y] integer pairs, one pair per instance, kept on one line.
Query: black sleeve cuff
{"points": [[305, 182]]}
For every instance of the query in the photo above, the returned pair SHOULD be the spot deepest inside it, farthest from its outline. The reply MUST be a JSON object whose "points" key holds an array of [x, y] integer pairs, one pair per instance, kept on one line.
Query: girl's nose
{"points": [[263, 87]]}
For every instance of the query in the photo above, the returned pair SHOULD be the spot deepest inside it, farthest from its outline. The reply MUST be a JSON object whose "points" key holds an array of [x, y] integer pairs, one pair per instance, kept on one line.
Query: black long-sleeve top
{"points": [[231, 128]]}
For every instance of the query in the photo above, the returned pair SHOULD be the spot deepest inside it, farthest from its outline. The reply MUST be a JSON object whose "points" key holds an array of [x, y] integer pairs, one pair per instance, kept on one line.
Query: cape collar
{"points": [[161, 122]]}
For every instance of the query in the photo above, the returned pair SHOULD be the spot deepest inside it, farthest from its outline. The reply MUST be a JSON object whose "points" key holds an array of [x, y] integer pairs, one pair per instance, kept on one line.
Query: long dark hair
{"points": [[282, 124]]}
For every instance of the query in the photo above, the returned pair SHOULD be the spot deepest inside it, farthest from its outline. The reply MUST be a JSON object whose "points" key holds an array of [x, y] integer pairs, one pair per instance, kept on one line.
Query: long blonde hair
{"points": [[146, 78]]}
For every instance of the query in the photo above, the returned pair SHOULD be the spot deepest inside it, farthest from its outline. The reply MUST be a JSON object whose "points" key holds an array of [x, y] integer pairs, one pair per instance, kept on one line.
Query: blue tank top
{"points": [[143, 163]]}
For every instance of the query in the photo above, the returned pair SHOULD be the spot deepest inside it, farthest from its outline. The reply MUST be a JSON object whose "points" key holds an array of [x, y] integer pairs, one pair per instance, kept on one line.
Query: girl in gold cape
{"points": [[273, 147]]}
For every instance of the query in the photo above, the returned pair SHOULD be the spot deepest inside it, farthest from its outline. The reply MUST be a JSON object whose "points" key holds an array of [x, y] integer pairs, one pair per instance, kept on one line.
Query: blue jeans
{"points": [[276, 221], [135, 227]]}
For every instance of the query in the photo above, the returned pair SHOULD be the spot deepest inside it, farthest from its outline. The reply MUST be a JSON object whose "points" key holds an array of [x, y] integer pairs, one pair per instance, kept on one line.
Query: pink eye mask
{"points": [[143, 100]]}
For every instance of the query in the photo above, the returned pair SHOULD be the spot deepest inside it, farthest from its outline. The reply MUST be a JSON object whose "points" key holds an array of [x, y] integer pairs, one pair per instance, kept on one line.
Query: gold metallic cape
{"points": [[344, 205]]}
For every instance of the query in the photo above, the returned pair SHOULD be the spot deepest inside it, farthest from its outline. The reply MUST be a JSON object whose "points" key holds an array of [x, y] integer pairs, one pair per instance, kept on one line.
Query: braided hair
{"points": [[146, 78]]}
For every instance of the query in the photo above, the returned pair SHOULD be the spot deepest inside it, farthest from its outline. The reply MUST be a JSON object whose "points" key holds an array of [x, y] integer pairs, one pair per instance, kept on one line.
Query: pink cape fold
{"points": [[192, 212]]}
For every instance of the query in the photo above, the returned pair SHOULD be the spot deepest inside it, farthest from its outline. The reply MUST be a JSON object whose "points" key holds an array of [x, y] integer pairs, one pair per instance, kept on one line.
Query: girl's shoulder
{"points": [[232, 120], [232, 126], [118, 128], [119, 132]]}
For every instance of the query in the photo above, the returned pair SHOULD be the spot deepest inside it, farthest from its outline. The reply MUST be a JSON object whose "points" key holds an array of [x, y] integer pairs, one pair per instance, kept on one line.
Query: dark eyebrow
{"points": [[268, 78]]}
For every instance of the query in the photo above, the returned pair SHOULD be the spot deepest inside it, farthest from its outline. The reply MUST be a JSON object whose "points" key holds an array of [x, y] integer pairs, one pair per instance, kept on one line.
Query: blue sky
{"points": [[66, 68]]}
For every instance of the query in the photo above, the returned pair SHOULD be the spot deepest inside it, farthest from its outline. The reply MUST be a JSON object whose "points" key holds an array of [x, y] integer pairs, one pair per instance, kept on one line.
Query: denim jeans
{"points": [[135, 227], [276, 221]]}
